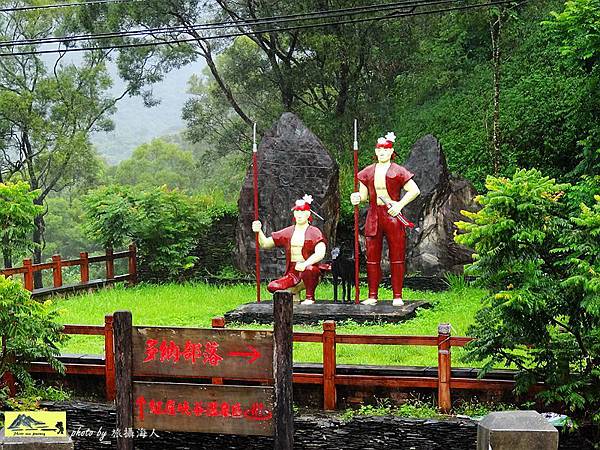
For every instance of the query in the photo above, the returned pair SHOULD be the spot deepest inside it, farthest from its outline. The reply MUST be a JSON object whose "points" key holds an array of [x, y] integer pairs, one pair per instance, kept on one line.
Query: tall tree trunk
{"points": [[7, 256], [495, 28], [38, 239]]}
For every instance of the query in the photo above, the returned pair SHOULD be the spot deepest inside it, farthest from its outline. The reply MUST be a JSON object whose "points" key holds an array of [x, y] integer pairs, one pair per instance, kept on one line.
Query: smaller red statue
{"points": [[304, 246]]}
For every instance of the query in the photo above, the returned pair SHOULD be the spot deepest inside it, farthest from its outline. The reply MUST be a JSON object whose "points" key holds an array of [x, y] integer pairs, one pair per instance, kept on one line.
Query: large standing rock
{"points": [[431, 247], [292, 162]]}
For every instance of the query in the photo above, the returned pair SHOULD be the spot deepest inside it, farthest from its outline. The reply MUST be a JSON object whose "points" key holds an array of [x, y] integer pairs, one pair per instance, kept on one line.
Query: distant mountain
{"points": [[24, 421], [136, 124]]}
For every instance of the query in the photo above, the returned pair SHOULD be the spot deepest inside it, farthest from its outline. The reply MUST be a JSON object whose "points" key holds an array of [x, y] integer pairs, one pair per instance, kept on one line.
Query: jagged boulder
{"points": [[431, 248], [292, 162]]}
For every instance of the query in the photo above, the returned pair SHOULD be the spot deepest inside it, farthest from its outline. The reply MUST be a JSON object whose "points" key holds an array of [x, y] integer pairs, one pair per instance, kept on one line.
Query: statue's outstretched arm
{"points": [[264, 241]]}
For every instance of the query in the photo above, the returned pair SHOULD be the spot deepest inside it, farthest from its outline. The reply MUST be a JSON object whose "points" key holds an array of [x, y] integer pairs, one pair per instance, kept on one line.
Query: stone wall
{"points": [[312, 431]]}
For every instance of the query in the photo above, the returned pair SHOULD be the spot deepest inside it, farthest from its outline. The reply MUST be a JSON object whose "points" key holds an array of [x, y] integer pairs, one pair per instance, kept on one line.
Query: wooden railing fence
{"points": [[84, 261], [444, 383]]}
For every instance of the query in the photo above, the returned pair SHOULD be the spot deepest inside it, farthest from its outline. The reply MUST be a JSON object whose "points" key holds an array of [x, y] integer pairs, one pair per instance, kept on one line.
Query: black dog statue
{"points": [[342, 269]]}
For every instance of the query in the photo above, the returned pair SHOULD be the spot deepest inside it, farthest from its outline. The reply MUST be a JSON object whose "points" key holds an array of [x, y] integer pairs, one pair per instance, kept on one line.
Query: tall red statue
{"points": [[381, 184], [304, 247]]}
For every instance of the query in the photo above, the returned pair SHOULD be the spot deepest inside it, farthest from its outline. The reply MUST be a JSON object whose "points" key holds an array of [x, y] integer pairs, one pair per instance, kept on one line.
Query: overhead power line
{"points": [[291, 28], [63, 5], [232, 23]]}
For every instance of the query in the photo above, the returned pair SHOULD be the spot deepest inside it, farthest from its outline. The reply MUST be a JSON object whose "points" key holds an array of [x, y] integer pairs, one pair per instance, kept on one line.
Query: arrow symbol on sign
{"points": [[252, 355]]}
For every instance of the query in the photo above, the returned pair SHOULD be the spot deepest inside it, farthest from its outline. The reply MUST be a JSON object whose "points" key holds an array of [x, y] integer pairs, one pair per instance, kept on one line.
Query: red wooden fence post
{"points": [[84, 268], [218, 322], [57, 270], [110, 264], [28, 275], [329, 365], [132, 265], [109, 358], [444, 368]]}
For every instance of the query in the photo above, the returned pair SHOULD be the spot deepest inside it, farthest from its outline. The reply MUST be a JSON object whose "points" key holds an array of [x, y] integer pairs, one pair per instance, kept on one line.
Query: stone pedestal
{"points": [[35, 443], [516, 430]]}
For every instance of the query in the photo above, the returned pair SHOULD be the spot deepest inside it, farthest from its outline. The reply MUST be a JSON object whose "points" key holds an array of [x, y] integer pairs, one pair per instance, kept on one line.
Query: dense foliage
{"points": [[166, 226], [539, 257], [17, 212], [29, 331]]}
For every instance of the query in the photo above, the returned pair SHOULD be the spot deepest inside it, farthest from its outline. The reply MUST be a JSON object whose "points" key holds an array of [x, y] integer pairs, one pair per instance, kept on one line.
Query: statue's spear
{"points": [[255, 183], [356, 246]]}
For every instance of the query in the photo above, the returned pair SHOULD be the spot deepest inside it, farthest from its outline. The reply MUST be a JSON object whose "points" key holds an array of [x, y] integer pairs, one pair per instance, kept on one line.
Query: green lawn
{"points": [[196, 304]]}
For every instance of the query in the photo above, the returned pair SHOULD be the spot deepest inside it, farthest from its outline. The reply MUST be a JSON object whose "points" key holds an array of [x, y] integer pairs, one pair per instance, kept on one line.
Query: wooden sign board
{"points": [[246, 410], [195, 352]]}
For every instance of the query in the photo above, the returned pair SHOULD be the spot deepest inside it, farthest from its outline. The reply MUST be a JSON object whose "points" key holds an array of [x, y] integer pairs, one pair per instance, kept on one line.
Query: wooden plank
{"points": [[282, 370], [444, 368], [13, 271], [122, 326], [110, 264], [94, 330], [308, 378], [109, 359], [329, 365], [28, 275], [302, 336], [70, 369], [197, 352], [71, 262], [95, 259], [84, 270], [387, 339], [460, 341], [42, 266], [390, 382], [482, 384], [121, 254], [204, 408]]}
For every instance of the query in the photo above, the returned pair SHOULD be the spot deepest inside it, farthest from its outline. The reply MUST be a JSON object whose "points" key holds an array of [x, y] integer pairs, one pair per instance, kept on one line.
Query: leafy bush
{"points": [[541, 266], [17, 212], [165, 225], [29, 332]]}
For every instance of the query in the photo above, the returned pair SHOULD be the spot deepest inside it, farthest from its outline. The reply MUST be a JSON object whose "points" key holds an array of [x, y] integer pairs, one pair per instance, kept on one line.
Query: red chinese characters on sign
{"points": [[255, 412], [169, 351]]}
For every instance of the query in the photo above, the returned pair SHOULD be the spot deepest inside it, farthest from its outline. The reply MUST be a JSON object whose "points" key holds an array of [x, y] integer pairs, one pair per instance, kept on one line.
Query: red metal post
{"points": [[329, 365], [356, 243], [84, 268], [444, 368], [255, 185], [109, 358], [28, 276], [57, 270]]}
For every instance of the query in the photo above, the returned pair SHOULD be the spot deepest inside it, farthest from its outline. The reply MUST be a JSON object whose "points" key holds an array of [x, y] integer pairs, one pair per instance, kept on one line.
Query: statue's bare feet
{"points": [[370, 302], [397, 302]]}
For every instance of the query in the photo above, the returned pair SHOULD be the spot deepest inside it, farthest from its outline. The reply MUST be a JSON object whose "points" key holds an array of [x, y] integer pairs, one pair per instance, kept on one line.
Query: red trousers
{"points": [[395, 234], [310, 276]]}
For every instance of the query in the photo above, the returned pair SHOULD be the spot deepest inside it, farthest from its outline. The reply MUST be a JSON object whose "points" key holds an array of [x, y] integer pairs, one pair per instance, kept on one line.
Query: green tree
{"points": [[17, 213], [158, 163], [542, 270], [29, 330], [48, 111], [576, 29], [162, 223]]}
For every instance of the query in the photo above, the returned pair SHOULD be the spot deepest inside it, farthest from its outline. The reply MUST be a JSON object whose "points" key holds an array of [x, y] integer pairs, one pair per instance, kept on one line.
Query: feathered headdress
{"points": [[387, 141]]}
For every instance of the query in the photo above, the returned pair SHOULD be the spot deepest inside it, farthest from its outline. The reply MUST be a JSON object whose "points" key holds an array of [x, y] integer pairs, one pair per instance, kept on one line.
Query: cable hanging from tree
{"points": [[153, 43], [233, 23], [64, 5]]}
